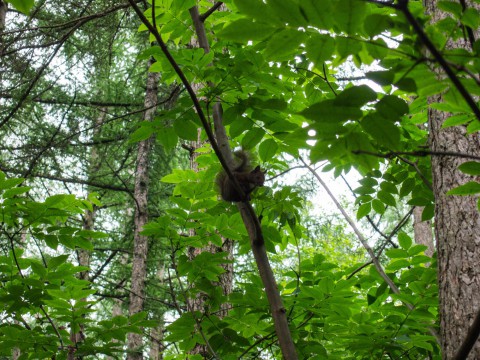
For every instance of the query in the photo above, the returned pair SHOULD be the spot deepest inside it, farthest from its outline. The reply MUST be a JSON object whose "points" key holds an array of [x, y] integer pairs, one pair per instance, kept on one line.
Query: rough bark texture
{"points": [[156, 339], [457, 224], [140, 246], [83, 256], [3, 15], [423, 231]]}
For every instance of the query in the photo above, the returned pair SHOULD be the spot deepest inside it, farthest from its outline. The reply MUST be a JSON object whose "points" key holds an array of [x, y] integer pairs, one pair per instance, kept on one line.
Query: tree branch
{"points": [[403, 7], [419, 153], [364, 242], [66, 180], [210, 11], [470, 339]]}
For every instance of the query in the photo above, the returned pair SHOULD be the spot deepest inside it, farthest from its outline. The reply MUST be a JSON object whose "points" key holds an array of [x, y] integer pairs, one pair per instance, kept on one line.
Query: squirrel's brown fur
{"points": [[247, 178]]}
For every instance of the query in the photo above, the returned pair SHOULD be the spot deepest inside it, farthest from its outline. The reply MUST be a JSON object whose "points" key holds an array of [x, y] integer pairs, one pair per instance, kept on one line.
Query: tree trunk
{"points": [[225, 279], [140, 246], [3, 15], [457, 224]]}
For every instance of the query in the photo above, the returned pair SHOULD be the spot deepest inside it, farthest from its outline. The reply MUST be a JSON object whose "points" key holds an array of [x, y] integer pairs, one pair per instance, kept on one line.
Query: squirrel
{"points": [[247, 178]]}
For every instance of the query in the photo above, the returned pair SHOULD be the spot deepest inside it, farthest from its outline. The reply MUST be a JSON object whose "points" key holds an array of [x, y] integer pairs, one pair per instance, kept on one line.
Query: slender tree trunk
{"points": [[3, 14], [83, 256], [457, 223], [225, 279], [140, 246]]}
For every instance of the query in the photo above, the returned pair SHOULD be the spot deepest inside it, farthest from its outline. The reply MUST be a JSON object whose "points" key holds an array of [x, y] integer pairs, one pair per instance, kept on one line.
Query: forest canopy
{"points": [[170, 178]]}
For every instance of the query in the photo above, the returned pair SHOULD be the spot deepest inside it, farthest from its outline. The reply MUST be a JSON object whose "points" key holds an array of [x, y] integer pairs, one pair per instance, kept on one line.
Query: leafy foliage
{"points": [[284, 73], [42, 298]]}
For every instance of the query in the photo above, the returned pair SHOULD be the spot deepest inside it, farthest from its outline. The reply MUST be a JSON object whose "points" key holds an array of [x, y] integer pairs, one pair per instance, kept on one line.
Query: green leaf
{"points": [[470, 168], [179, 176], [386, 198], [356, 96], [398, 264], [142, 133], [376, 24], [388, 187], [407, 187], [417, 249], [471, 18], [320, 47], [267, 149], [397, 253], [23, 6], [378, 206], [392, 107], [83, 243], [54, 262], [186, 129], [38, 268], [364, 210], [368, 181], [349, 15], [252, 138], [282, 45], [364, 190], [381, 77], [452, 7], [240, 125], [10, 193], [179, 5], [458, 119], [244, 30], [383, 131], [181, 328], [330, 112], [51, 241], [137, 317], [470, 188], [318, 13], [257, 10], [428, 212], [167, 137], [10, 183], [404, 240], [289, 12]]}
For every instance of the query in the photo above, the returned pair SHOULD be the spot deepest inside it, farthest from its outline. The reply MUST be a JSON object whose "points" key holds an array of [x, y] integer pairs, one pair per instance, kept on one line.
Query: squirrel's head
{"points": [[257, 176]]}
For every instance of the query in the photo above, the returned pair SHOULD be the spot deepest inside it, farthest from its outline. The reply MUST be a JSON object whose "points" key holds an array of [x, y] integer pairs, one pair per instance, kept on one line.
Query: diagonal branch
{"points": [[364, 242], [403, 7]]}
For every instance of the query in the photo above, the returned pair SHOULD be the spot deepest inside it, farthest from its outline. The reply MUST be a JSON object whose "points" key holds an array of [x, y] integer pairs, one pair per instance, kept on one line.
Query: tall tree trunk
{"points": [[3, 15], [225, 279], [83, 256], [140, 246], [457, 223]]}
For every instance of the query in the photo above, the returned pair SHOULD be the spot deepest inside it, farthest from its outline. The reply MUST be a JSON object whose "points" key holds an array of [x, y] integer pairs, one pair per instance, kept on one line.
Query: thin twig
{"points": [[210, 11]]}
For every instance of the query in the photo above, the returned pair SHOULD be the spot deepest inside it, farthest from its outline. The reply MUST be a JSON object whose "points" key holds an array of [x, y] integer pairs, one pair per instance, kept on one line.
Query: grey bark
{"points": [[457, 223], [225, 279], [140, 246], [3, 14], [83, 255]]}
